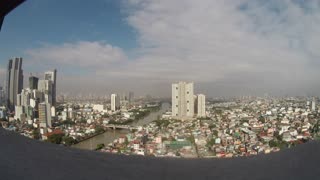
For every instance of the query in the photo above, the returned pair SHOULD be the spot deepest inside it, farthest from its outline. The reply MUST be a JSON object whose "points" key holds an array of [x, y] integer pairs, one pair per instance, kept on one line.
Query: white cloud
{"points": [[84, 54], [228, 46], [258, 44]]}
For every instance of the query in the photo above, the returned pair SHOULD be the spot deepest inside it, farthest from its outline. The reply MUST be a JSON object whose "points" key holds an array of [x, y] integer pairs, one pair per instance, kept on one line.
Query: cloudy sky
{"points": [[227, 48]]}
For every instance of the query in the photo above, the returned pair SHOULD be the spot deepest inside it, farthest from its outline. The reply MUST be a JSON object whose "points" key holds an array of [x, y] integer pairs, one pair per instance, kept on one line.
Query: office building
{"points": [[33, 82], [37, 95], [45, 86], [123, 99], [115, 102], [52, 76], [19, 113], [182, 100], [313, 104], [98, 107], [25, 105], [25, 97], [131, 97], [2, 100], [45, 115], [18, 100], [14, 82], [201, 105]]}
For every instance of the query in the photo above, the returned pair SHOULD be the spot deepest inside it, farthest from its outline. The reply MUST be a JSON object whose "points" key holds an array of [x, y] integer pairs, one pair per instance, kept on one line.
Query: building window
{"points": [[176, 88], [187, 92], [176, 105], [187, 110], [177, 97], [187, 101]]}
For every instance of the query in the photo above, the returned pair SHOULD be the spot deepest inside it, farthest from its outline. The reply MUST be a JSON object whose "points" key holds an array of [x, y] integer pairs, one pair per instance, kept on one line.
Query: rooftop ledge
{"points": [[24, 158]]}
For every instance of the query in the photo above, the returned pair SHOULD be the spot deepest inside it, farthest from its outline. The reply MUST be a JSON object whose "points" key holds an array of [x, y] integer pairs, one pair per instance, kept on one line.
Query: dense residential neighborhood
{"points": [[231, 128]]}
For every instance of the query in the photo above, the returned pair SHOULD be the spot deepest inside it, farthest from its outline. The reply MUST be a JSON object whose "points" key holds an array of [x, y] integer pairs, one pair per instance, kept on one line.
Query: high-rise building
{"points": [[33, 82], [52, 76], [115, 102], [45, 115], [18, 100], [25, 97], [182, 100], [131, 97], [14, 81], [19, 113], [123, 97], [45, 86], [201, 105], [26, 103], [313, 104], [1, 96]]}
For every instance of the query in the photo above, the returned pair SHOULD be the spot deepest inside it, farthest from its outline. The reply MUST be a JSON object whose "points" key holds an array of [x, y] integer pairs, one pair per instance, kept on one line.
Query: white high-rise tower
{"points": [[52, 76], [313, 104], [182, 100], [115, 102], [201, 105]]}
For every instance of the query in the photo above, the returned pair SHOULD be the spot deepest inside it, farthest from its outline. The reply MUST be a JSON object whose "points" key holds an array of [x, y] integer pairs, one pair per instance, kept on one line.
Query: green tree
{"points": [[262, 119], [68, 140], [215, 133], [210, 143], [273, 143], [100, 146], [178, 153], [36, 134], [191, 139], [211, 126], [279, 144], [55, 138]]}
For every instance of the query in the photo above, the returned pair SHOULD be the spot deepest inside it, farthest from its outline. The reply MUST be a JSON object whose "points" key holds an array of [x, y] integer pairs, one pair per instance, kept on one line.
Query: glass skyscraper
{"points": [[14, 81]]}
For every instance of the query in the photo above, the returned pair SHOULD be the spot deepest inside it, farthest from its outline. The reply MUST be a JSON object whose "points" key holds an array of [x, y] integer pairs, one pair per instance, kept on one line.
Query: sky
{"points": [[227, 48]]}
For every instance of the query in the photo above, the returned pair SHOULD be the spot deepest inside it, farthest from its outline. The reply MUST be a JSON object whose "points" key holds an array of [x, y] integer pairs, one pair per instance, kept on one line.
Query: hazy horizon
{"points": [[226, 48]]}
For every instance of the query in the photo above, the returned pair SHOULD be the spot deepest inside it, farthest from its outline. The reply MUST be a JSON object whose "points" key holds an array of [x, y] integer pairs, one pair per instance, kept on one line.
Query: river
{"points": [[110, 135]]}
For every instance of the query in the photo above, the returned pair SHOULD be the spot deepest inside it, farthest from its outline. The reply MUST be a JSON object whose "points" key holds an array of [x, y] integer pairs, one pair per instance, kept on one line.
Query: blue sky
{"points": [[226, 47], [37, 22]]}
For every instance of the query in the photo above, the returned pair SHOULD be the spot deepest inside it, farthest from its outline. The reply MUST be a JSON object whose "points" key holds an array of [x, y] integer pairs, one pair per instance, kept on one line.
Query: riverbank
{"points": [[110, 135]]}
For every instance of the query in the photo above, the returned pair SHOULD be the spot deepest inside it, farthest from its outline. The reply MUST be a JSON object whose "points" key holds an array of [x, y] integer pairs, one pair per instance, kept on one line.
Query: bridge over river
{"points": [[114, 127], [120, 130]]}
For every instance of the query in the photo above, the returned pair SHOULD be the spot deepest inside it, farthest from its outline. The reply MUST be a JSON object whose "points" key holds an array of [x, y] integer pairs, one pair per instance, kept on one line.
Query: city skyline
{"points": [[50, 75], [237, 48], [178, 82]]}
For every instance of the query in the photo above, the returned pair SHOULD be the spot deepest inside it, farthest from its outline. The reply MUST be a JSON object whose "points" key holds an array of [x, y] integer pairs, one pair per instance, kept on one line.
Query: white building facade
{"points": [[313, 104], [201, 105], [182, 100], [115, 102]]}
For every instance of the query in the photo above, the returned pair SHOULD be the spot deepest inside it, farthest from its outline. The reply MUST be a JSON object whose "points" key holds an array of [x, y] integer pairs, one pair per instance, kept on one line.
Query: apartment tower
{"points": [[182, 100]]}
